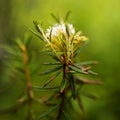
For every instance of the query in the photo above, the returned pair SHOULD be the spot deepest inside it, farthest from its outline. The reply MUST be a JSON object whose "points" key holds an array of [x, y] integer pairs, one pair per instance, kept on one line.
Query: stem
{"points": [[29, 88], [62, 95], [61, 105], [27, 73]]}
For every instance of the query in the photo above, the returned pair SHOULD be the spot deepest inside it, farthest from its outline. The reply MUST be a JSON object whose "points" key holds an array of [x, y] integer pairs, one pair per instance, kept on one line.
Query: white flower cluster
{"points": [[61, 44], [58, 29]]}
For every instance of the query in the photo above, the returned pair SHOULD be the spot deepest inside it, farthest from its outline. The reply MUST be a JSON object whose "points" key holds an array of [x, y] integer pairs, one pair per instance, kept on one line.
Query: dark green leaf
{"points": [[51, 79], [67, 15], [76, 69], [69, 102], [79, 49], [20, 70], [52, 70], [47, 88], [67, 116], [50, 34], [37, 26], [44, 114], [51, 97], [27, 40], [63, 85], [93, 73], [53, 56], [72, 84], [89, 95], [80, 104], [11, 50], [55, 17], [49, 117], [87, 81], [88, 63], [67, 30], [36, 34], [55, 63]]}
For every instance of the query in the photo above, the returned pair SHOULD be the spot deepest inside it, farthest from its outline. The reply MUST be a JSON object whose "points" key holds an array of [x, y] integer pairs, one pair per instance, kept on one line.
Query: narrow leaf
{"points": [[63, 85], [69, 102], [78, 70], [56, 18], [21, 70], [67, 15], [79, 49], [37, 35], [47, 88], [92, 73], [27, 40], [80, 104], [60, 53], [48, 111], [89, 95], [52, 70], [86, 81], [53, 56], [72, 85], [55, 63], [67, 30], [37, 26], [67, 116], [11, 50], [88, 63], [50, 34], [51, 79], [49, 117]]}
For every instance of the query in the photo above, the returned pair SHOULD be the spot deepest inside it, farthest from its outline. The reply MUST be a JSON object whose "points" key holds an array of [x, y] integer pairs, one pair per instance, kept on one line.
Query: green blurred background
{"points": [[100, 22]]}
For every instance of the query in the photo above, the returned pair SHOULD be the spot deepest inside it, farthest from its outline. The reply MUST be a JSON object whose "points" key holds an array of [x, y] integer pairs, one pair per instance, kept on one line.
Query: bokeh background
{"points": [[100, 22]]}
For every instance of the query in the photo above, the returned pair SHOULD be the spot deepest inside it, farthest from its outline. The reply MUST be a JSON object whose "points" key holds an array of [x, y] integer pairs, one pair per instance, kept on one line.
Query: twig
{"points": [[29, 88], [62, 94]]}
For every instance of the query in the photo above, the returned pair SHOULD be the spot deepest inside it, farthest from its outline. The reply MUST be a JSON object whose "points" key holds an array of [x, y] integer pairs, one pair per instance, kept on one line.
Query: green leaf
{"points": [[60, 53], [89, 95], [79, 49], [69, 102], [46, 113], [49, 117], [21, 70], [67, 15], [55, 63], [63, 85], [51, 79], [11, 50], [67, 116], [19, 43], [80, 104], [53, 56], [72, 85], [37, 35], [87, 63], [85, 70], [47, 88], [50, 34], [51, 98], [38, 27], [67, 30], [55, 17], [76, 69], [27, 40], [92, 73], [87, 81], [52, 70]]}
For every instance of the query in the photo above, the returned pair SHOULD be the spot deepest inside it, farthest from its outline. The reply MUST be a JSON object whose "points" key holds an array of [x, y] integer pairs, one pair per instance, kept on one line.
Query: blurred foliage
{"points": [[99, 20]]}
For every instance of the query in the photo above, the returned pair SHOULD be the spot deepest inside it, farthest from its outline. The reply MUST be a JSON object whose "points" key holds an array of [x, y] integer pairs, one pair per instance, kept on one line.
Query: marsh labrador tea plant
{"points": [[63, 43]]}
